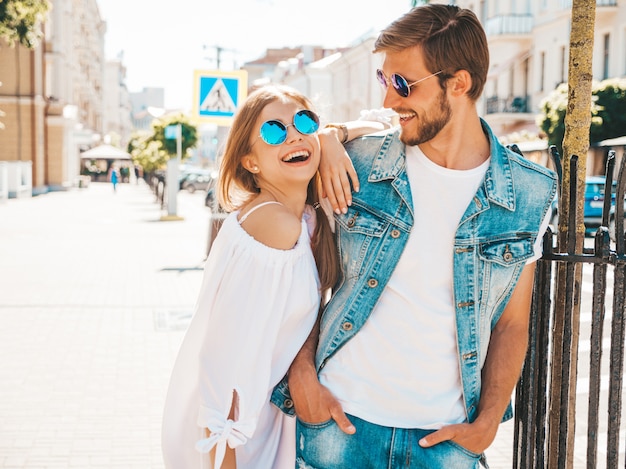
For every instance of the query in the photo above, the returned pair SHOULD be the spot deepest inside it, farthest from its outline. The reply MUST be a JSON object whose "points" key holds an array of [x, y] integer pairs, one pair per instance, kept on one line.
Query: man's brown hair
{"points": [[450, 37]]}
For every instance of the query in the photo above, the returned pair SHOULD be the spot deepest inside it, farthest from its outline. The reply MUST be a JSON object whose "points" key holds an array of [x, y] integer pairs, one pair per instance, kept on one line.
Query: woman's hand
{"points": [[336, 171]]}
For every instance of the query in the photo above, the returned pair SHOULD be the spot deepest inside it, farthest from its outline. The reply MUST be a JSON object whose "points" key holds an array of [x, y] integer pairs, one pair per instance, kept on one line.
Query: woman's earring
{"points": [[255, 169]]}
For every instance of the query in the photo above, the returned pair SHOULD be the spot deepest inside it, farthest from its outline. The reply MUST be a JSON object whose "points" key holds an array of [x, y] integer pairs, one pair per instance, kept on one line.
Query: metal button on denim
{"points": [[346, 326], [395, 233], [372, 283], [507, 256], [352, 220], [288, 403]]}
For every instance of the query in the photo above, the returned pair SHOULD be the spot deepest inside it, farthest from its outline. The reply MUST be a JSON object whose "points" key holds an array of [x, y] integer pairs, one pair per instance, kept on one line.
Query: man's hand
{"points": [[313, 402], [471, 436], [505, 356], [336, 171]]}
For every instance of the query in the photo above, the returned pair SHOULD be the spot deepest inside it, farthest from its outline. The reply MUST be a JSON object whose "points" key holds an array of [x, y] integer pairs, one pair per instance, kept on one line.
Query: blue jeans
{"points": [[325, 446]]}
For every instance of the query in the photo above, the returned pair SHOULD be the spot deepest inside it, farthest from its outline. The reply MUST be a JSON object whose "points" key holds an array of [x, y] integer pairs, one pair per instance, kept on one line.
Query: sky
{"points": [[164, 42]]}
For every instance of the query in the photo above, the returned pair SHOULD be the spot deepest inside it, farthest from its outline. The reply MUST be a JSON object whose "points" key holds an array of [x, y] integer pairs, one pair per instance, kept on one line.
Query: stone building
{"points": [[53, 95]]}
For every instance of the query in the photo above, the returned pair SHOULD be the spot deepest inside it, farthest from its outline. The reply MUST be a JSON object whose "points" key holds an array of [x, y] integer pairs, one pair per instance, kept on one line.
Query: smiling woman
{"points": [[261, 276], [273, 257]]}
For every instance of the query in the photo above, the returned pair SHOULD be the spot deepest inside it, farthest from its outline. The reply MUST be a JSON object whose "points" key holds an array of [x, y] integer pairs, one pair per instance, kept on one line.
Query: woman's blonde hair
{"points": [[237, 185]]}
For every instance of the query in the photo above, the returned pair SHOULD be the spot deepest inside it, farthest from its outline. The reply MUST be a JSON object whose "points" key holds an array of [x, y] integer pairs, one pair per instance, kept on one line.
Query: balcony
{"points": [[567, 4], [513, 104], [510, 25], [605, 10]]}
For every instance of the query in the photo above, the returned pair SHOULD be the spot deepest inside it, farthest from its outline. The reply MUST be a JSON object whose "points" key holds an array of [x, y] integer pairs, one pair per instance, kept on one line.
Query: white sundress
{"points": [[255, 309]]}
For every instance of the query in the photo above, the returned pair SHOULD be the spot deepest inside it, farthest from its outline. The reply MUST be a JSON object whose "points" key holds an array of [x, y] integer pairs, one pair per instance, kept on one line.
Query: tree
{"points": [[189, 134], [151, 150], [608, 99], [21, 20], [609, 120], [561, 420], [146, 152]]}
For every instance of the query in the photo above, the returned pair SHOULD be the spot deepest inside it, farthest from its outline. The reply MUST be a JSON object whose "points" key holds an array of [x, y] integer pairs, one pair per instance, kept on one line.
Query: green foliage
{"points": [[189, 134], [608, 119], [551, 120], [146, 152], [152, 150], [20, 21]]}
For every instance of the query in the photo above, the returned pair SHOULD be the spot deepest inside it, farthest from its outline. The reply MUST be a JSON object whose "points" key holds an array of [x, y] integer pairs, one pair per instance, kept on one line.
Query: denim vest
{"points": [[493, 241]]}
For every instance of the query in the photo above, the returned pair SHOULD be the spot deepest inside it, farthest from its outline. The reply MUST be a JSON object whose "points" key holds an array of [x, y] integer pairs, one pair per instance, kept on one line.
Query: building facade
{"points": [[117, 109], [53, 96], [146, 105], [529, 47], [529, 54]]}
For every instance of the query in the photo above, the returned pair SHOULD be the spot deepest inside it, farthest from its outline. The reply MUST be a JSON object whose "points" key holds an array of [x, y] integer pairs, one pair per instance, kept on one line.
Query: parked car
{"points": [[594, 203], [196, 179], [210, 198]]}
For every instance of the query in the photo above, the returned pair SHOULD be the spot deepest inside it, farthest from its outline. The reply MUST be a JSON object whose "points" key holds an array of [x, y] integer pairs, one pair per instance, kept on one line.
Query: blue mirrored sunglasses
{"points": [[274, 132], [399, 83]]}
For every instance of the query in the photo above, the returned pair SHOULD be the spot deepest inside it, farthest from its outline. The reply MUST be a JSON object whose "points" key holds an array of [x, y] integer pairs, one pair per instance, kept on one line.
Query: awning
{"points": [[105, 152], [532, 145], [613, 142]]}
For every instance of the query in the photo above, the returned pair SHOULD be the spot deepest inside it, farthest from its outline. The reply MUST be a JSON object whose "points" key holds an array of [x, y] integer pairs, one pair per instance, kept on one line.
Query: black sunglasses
{"points": [[399, 83], [274, 132]]}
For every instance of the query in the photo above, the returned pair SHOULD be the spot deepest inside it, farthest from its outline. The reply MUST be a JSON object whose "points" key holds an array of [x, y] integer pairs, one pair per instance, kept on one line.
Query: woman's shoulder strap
{"points": [[244, 217]]}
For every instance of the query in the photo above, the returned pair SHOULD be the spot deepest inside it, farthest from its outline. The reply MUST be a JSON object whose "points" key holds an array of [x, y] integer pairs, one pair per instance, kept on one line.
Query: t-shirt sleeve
{"points": [[538, 246]]}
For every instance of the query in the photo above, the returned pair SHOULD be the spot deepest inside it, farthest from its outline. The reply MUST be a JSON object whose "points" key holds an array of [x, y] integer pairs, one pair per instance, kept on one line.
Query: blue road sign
{"points": [[171, 132], [217, 95]]}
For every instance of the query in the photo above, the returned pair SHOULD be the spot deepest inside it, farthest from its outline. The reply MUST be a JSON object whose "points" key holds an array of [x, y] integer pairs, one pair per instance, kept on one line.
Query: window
{"points": [[563, 65], [605, 57], [483, 12], [542, 70]]}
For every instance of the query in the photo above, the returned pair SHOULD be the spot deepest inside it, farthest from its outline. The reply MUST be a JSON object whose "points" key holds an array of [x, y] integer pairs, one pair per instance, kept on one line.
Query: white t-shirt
{"points": [[401, 369]]}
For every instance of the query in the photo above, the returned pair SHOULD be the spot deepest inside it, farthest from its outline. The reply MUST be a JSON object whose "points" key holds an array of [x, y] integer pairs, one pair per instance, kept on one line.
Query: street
{"points": [[94, 295]]}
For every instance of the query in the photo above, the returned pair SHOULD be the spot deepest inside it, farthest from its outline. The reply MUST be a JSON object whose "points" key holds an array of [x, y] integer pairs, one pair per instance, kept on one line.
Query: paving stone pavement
{"points": [[95, 293]]}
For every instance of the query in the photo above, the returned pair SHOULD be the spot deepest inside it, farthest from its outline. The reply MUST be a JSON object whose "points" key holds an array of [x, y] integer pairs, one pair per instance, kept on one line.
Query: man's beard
{"points": [[429, 126]]}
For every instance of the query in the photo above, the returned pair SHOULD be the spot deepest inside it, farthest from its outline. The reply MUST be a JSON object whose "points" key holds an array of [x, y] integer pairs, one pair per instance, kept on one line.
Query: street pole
{"points": [[173, 165]]}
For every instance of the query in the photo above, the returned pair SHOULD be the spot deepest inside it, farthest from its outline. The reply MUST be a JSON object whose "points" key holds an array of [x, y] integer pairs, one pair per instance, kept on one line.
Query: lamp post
{"points": [[173, 164]]}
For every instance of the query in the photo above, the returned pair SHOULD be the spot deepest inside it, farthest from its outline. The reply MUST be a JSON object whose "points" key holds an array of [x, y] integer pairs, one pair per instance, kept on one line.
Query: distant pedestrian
{"points": [[114, 178]]}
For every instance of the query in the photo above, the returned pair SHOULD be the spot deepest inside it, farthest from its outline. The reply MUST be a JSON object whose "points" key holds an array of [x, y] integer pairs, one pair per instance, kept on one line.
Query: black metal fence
{"points": [[547, 411]]}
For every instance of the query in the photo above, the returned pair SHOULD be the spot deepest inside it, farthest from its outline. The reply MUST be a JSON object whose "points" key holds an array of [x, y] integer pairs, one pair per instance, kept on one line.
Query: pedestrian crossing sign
{"points": [[218, 94]]}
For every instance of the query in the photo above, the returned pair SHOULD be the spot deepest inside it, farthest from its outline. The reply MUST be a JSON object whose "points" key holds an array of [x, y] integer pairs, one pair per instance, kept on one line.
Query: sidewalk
{"points": [[95, 293], [92, 291]]}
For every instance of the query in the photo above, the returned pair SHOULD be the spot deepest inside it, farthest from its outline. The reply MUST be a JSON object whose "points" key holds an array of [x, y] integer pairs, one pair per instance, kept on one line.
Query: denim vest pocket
{"points": [[358, 220], [502, 261], [357, 231], [507, 252]]}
